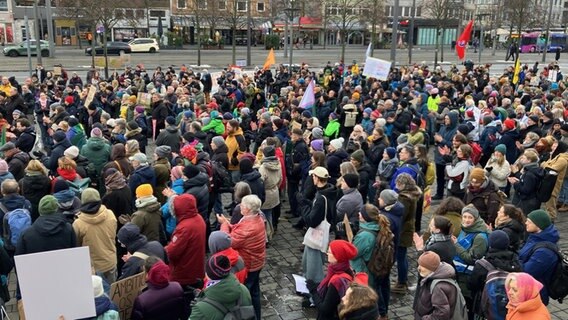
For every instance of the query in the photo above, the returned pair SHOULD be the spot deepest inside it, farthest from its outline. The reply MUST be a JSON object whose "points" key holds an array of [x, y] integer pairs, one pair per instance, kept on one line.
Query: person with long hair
{"points": [[33, 186], [451, 208], [511, 220], [457, 170], [440, 240], [359, 303], [524, 298], [558, 162], [498, 168]]}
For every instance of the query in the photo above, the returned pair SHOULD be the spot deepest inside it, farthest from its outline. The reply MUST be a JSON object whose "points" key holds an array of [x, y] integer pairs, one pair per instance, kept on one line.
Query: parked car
{"points": [[144, 45], [21, 49], [112, 48]]}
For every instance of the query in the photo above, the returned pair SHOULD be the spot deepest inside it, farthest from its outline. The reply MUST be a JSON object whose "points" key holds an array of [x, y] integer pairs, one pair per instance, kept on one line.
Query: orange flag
{"points": [[270, 60]]}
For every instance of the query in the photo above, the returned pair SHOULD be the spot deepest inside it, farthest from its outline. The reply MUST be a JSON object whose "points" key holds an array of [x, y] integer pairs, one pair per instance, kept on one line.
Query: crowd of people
{"points": [[90, 163]]}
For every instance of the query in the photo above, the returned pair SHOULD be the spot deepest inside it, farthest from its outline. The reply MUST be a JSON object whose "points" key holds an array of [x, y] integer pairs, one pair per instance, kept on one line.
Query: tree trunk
{"points": [[198, 38], [105, 51], [78, 34], [234, 45]]}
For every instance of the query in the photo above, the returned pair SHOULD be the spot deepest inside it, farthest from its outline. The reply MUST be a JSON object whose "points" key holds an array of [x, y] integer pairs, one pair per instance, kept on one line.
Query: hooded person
{"points": [[119, 161], [69, 204], [220, 244], [444, 138], [95, 228], [147, 216], [524, 298], [104, 307], [253, 178], [186, 251], [482, 193], [196, 183], [97, 150], [162, 299], [139, 249], [118, 196], [222, 288], [49, 232]]}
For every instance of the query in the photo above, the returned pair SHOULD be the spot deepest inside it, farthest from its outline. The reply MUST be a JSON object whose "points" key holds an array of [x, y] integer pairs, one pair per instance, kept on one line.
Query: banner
{"points": [[124, 292], [308, 99], [56, 283], [376, 68]]}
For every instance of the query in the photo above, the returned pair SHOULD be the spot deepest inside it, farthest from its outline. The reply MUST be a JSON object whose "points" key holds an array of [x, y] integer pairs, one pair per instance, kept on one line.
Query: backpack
{"points": [[351, 114], [494, 297], [460, 308], [78, 185], [238, 312], [382, 257], [15, 223], [476, 152], [466, 242], [420, 179], [222, 180], [548, 177], [558, 285]]}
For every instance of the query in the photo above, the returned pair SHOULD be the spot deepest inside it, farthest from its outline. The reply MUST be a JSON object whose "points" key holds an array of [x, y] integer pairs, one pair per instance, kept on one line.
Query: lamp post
{"points": [[481, 45], [394, 34], [411, 31], [291, 11], [547, 32], [249, 36]]}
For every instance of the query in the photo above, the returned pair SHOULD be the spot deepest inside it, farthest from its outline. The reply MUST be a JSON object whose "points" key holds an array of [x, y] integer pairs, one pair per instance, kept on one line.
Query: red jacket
{"points": [[249, 239], [280, 156], [186, 251]]}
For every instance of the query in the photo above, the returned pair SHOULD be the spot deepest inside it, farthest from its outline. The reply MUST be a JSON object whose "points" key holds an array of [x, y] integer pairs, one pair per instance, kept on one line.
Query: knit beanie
{"points": [[144, 190], [477, 175], [96, 132], [227, 116], [3, 166], [132, 125], [358, 155], [90, 195], [163, 151], [389, 196], [139, 109], [337, 143], [132, 99], [218, 141], [48, 205], [540, 218], [218, 267], [471, 210], [171, 120], [429, 260], [501, 148], [97, 286], [498, 239], [59, 136], [317, 144], [245, 166], [391, 152], [176, 173], [72, 152], [219, 241], [269, 151], [159, 275], [351, 180], [509, 124], [342, 250], [190, 171], [317, 133], [60, 185]]}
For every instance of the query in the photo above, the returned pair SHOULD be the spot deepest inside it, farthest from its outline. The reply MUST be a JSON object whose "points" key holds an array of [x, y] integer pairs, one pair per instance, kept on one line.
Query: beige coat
{"points": [[271, 173], [558, 164], [98, 232]]}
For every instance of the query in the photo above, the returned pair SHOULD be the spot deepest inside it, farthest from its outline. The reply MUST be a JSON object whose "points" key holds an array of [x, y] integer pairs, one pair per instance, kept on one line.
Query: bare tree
{"points": [[375, 16], [523, 14], [235, 16], [440, 12], [344, 15]]}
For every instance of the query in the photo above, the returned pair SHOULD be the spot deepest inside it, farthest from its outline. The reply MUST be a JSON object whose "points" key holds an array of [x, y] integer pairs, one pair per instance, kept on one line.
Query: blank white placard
{"points": [[56, 283]]}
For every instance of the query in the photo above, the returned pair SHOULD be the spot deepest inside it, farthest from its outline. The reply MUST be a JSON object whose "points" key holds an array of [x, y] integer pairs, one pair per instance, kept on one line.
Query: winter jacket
{"points": [[317, 213], [105, 309], [186, 251], [350, 203], [156, 303], [333, 163], [528, 183], [248, 237], [410, 167], [364, 313], [76, 135], [509, 139], [134, 241], [375, 154], [386, 169], [271, 173], [500, 259], [149, 220], [254, 180], [236, 146], [531, 309], [238, 267], [559, 164], [26, 140], [516, 232], [488, 137], [220, 155], [118, 201], [438, 302], [542, 262], [97, 150], [215, 125], [227, 292], [365, 241], [486, 200], [498, 174], [445, 249], [408, 198], [162, 170], [332, 129], [98, 232], [51, 232], [33, 188], [141, 175], [118, 161], [264, 131], [395, 214], [198, 186], [300, 160], [18, 162], [457, 171], [447, 133], [171, 137], [478, 248], [365, 175]]}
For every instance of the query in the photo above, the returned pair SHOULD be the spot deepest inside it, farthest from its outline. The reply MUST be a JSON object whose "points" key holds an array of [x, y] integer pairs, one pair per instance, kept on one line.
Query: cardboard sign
{"points": [[90, 95], [62, 286], [144, 99], [377, 68], [56, 71], [348, 230], [124, 292]]}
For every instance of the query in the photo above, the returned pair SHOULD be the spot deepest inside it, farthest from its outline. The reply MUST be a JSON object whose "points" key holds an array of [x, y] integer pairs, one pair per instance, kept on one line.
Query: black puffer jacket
{"points": [[198, 186], [254, 180], [47, 233], [516, 232], [34, 188], [129, 235]]}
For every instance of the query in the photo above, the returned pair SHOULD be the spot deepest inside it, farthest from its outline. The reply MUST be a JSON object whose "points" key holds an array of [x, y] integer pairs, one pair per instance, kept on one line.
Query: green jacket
{"points": [[332, 129], [97, 150], [226, 292], [364, 241], [216, 125]]}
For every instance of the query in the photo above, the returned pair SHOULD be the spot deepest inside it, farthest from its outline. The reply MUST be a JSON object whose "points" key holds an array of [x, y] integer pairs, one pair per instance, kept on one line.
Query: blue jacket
{"points": [[447, 133], [395, 213], [170, 221], [542, 262], [140, 176], [406, 167]]}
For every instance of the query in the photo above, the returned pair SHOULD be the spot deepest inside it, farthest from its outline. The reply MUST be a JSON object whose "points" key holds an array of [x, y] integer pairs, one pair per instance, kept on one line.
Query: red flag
{"points": [[461, 44]]}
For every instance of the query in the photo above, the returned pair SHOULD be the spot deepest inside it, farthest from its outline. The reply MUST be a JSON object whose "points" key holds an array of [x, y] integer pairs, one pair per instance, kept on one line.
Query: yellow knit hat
{"points": [[144, 190]]}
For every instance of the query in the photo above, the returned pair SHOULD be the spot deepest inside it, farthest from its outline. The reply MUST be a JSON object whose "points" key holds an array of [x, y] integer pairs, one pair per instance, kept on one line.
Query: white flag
{"points": [[368, 53]]}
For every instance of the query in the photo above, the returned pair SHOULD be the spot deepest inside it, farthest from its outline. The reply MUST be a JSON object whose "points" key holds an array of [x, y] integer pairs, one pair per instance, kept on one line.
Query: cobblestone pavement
{"points": [[279, 300]]}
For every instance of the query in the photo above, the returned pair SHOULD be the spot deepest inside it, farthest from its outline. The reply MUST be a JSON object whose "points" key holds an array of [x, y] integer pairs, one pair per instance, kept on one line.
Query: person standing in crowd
{"points": [[147, 216], [236, 145], [511, 220], [498, 168], [295, 163], [271, 173], [558, 162], [443, 138], [162, 167], [138, 250], [359, 302], [220, 244], [143, 173], [248, 237], [483, 195], [170, 136], [525, 180], [364, 171], [439, 241], [349, 204], [18, 160], [524, 298]]}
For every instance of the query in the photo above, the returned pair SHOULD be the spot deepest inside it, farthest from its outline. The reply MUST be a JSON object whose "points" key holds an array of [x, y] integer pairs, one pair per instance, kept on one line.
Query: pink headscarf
{"points": [[527, 288], [176, 173]]}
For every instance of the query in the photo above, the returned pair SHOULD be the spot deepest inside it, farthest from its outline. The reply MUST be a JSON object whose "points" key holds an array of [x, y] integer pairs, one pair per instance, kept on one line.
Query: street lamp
{"points": [[249, 18], [481, 45], [290, 11]]}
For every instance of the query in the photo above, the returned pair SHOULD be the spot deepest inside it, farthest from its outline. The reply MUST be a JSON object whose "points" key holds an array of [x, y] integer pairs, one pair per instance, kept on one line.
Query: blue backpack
{"points": [[494, 298], [15, 223]]}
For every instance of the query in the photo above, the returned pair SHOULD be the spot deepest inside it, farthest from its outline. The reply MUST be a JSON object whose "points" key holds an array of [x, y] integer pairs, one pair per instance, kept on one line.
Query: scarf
{"points": [[115, 181], [91, 207], [437, 237], [527, 288], [143, 202], [501, 221], [332, 270]]}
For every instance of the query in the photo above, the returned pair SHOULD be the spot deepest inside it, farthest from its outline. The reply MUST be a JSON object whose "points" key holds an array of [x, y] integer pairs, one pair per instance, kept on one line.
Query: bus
{"points": [[529, 42], [557, 40]]}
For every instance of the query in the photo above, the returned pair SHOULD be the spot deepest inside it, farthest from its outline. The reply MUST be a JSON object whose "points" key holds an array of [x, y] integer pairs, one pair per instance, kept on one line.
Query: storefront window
{"points": [[3, 5]]}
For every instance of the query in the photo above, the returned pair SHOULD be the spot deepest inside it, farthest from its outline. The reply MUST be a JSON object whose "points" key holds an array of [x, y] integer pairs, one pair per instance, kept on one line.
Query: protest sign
{"points": [[376, 68], [144, 99], [348, 230], [62, 286], [124, 292], [90, 95]]}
